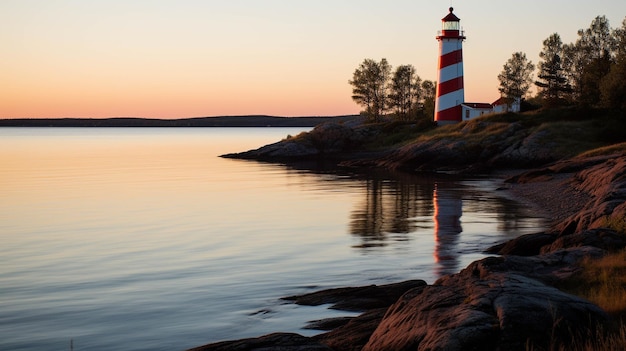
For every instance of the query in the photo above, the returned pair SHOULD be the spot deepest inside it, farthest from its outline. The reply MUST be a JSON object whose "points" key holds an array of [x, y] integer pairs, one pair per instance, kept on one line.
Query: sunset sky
{"points": [[192, 58]]}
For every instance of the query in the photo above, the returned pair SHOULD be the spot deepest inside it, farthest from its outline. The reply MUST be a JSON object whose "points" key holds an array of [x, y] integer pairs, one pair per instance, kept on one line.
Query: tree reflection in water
{"points": [[393, 207], [398, 208]]}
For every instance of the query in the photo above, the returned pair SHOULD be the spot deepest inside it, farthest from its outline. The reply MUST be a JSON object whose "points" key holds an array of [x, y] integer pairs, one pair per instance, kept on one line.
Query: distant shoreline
{"points": [[220, 121]]}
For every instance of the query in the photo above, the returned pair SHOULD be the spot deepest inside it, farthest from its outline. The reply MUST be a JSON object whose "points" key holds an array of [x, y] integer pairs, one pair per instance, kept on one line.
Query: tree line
{"points": [[381, 91], [590, 72]]}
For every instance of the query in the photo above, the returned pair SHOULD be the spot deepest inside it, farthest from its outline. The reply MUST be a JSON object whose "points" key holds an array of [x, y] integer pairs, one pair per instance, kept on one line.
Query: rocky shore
{"points": [[505, 302]]}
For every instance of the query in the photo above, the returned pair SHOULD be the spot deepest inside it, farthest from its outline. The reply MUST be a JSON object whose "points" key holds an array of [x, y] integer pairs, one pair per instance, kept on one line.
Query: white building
{"points": [[472, 110], [503, 105]]}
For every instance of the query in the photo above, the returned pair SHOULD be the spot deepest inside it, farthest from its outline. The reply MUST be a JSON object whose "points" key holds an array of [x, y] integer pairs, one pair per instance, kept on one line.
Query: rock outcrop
{"points": [[494, 304], [601, 186], [541, 243], [478, 145], [606, 183], [328, 140]]}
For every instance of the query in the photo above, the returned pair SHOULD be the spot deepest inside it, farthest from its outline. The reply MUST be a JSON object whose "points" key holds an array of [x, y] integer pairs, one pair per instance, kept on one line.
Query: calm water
{"points": [[143, 239]]}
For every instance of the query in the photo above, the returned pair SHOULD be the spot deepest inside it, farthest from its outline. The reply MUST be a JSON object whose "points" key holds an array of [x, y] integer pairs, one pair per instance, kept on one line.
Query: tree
{"points": [[620, 39], [573, 63], [429, 91], [405, 91], [613, 85], [553, 82], [592, 76], [370, 85], [516, 77], [589, 59], [597, 41]]}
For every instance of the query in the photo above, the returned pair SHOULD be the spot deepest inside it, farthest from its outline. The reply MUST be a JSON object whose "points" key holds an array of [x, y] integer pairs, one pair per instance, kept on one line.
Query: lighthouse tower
{"points": [[450, 94]]}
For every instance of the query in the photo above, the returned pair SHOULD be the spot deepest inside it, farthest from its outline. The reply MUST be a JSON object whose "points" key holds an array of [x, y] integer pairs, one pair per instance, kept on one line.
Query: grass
{"points": [[600, 340], [573, 130], [473, 132], [616, 223], [398, 133], [603, 282], [619, 148], [572, 137]]}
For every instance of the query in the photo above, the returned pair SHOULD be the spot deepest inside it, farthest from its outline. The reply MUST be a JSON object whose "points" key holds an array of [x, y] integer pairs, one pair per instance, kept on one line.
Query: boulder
{"points": [[355, 334], [525, 245], [541, 243], [358, 299], [493, 304], [602, 238]]}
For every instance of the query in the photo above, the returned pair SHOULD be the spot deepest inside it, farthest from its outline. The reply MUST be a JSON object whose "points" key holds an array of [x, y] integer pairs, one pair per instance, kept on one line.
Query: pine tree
{"points": [[553, 82]]}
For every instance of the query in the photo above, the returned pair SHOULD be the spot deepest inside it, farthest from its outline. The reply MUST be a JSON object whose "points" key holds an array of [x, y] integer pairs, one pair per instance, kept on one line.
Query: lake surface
{"points": [[144, 239]]}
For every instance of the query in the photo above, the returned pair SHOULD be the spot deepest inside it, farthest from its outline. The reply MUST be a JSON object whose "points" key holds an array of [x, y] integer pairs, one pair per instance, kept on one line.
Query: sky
{"points": [[195, 58]]}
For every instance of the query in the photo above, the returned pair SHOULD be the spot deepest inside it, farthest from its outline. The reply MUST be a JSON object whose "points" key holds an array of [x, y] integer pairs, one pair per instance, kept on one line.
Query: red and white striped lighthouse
{"points": [[450, 93]]}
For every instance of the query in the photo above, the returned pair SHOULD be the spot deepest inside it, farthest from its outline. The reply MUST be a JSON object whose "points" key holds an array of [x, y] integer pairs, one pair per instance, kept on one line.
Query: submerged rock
{"points": [[358, 298]]}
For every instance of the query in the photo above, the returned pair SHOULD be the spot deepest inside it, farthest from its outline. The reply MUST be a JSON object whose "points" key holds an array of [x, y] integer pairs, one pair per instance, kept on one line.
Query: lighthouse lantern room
{"points": [[450, 92]]}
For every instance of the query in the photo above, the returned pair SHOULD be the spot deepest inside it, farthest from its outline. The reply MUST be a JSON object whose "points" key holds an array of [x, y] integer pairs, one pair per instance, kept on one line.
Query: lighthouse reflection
{"points": [[447, 219], [407, 209], [391, 210]]}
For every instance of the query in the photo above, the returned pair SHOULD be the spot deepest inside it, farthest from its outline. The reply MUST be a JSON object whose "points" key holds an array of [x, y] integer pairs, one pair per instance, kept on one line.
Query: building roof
{"points": [[501, 101], [478, 105], [451, 17]]}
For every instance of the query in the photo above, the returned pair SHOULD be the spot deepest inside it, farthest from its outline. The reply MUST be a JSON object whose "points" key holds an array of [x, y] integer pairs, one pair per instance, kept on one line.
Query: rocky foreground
{"points": [[505, 302]]}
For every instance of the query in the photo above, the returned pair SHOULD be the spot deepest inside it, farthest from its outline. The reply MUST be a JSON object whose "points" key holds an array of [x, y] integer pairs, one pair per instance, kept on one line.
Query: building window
{"points": [[467, 114]]}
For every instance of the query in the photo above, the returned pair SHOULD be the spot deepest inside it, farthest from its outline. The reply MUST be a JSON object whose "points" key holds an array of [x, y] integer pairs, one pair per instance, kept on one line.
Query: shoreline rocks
{"points": [[509, 145], [498, 303], [505, 302]]}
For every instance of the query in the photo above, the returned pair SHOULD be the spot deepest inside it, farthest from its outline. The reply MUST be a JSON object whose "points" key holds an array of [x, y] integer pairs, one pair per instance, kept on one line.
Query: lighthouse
{"points": [[450, 94]]}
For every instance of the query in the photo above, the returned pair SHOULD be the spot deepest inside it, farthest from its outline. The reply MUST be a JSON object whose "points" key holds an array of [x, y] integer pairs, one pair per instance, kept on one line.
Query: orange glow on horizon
{"points": [[191, 59]]}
